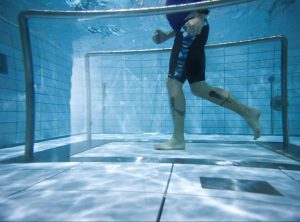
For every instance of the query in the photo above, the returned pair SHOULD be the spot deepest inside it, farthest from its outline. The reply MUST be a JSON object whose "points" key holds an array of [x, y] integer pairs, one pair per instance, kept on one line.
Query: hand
{"points": [[194, 26], [160, 36]]}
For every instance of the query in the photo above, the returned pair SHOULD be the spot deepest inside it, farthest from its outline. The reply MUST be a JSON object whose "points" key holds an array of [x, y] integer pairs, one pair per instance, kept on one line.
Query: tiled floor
{"points": [[216, 151], [138, 191], [212, 208]]}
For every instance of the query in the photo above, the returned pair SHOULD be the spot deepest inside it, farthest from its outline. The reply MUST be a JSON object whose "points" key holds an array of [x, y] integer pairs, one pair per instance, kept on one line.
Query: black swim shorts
{"points": [[194, 66]]}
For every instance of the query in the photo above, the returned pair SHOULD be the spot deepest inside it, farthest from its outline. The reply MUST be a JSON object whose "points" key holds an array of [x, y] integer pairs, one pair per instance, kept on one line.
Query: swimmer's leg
{"points": [[223, 98], [176, 96], [187, 41], [177, 106]]}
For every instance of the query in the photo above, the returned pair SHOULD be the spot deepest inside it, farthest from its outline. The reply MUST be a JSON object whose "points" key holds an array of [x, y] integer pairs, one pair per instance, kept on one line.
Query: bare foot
{"points": [[253, 122], [172, 144]]}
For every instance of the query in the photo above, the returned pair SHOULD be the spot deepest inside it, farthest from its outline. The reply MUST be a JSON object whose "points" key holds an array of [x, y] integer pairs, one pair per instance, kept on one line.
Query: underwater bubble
{"points": [[86, 4], [106, 30], [73, 3]]}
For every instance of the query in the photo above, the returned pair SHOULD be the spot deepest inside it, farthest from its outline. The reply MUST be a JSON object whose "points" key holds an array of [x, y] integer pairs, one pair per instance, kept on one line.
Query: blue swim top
{"points": [[176, 20]]}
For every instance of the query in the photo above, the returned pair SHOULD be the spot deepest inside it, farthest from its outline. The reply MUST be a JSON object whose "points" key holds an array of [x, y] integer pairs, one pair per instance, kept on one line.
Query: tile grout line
{"points": [[289, 176], [24, 189], [72, 156], [278, 152], [164, 196]]}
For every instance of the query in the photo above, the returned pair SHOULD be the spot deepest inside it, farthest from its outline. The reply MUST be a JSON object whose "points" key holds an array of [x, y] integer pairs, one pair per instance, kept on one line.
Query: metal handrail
{"points": [[119, 13], [284, 81], [24, 16]]}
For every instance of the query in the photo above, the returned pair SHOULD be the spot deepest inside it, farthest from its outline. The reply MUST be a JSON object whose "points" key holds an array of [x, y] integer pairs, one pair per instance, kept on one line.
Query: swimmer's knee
{"points": [[206, 91], [174, 87], [199, 88]]}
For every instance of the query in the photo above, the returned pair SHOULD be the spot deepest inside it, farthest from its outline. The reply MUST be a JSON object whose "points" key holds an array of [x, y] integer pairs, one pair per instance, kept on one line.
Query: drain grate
{"points": [[253, 186]]}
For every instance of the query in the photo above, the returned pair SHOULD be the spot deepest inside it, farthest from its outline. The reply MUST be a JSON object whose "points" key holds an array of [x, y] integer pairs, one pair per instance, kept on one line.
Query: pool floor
{"points": [[123, 178]]}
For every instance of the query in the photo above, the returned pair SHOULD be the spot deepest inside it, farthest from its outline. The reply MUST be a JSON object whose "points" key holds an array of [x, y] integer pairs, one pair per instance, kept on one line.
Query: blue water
{"points": [[242, 21], [128, 92], [123, 178]]}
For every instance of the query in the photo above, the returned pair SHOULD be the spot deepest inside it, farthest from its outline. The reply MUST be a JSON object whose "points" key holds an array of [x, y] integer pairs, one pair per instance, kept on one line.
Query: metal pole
{"points": [[272, 111], [103, 105], [96, 14], [271, 80], [88, 101], [29, 86], [284, 92], [210, 46]]}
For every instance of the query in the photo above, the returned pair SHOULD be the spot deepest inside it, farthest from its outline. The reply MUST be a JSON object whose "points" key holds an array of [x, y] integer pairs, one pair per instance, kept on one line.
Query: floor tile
{"points": [[186, 180], [80, 206], [241, 185], [146, 138], [8, 153], [21, 176], [216, 151], [293, 174], [207, 208], [38, 166], [11, 152], [106, 176], [4, 194], [91, 191], [206, 137]]}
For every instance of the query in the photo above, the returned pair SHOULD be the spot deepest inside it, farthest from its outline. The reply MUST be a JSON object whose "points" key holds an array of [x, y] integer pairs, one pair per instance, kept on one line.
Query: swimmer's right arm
{"points": [[161, 36]]}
